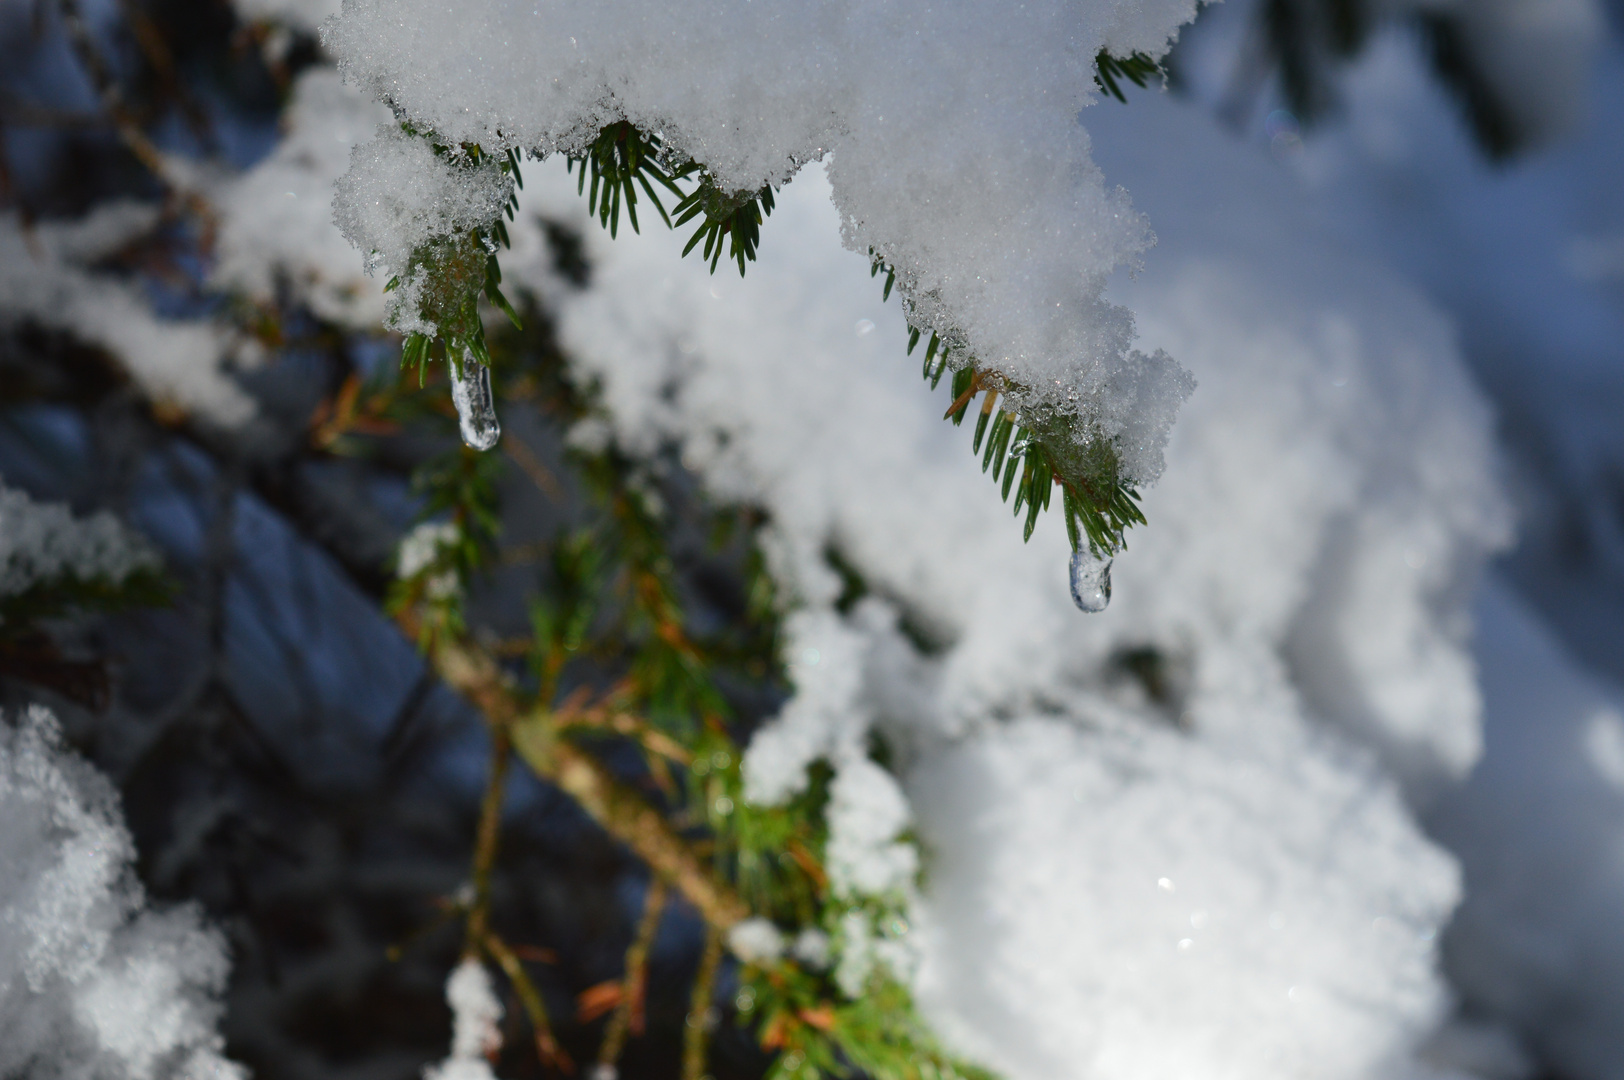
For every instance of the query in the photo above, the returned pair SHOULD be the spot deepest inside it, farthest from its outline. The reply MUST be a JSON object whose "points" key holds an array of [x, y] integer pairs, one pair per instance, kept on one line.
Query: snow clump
{"points": [[43, 542], [45, 281], [397, 198], [475, 1014], [953, 154], [93, 984]]}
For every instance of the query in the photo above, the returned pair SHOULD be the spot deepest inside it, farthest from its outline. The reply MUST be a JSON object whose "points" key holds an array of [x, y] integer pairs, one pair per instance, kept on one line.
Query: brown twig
{"points": [[530, 998], [531, 465], [488, 838], [619, 810], [701, 1015], [129, 130], [628, 1015]]}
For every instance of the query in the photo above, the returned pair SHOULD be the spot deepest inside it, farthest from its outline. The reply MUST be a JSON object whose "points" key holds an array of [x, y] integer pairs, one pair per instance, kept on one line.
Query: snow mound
{"points": [[1237, 913]]}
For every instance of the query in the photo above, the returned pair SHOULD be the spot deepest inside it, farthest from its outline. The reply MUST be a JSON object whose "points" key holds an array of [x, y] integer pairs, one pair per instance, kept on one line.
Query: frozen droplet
{"points": [[1090, 580], [476, 404]]}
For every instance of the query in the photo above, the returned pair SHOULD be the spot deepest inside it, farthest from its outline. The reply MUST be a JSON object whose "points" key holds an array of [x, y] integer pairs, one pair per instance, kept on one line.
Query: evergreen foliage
{"points": [[612, 659]]}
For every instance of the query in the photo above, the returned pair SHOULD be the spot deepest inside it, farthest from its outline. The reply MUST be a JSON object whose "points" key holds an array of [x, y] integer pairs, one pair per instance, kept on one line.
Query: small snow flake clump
{"points": [[475, 1013]]}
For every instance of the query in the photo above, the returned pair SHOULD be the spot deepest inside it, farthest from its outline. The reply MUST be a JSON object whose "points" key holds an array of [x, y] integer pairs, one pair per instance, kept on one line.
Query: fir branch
{"points": [[622, 159], [65, 594], [1033, 456], [621, 812], [1136, 68]]}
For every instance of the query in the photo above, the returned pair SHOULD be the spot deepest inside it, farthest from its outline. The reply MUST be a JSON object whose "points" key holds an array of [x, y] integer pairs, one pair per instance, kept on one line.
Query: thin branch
{"points": [[531, 465], [488, 838], [619, 810], [701, 1014], [129, 130], [607, 718], [530, 998], [628, 1014]]}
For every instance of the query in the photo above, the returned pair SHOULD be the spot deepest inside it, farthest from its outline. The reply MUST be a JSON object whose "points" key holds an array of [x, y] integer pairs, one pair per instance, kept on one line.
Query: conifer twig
{"points": [[487, 839], [627, 1018], [547, 1047], [696, 1037]]}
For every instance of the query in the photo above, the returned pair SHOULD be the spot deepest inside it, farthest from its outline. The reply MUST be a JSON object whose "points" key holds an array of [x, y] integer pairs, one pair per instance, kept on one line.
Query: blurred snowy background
{"points": [[1334, 789]]}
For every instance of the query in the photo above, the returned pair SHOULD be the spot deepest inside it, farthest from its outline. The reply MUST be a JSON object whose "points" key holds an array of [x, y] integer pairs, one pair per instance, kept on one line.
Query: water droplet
{"points": [[1090, 581], [476, 404]]}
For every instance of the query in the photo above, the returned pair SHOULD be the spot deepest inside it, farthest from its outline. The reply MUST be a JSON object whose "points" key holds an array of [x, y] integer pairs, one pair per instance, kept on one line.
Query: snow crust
{"points": [[953, 153], [42, 542], [45, 280], [1300, 594], [93, 984]]}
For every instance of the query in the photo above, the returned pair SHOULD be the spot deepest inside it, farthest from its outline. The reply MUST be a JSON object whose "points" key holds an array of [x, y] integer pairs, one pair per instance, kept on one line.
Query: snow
{"points": [[398, 197], [426, 547], [276, 219], [475, 1015], [1330, 499], [1191, 908], [1537, 829], [755, 940], [41, 543], [953, 154], [44, 280], [92, 982]]}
